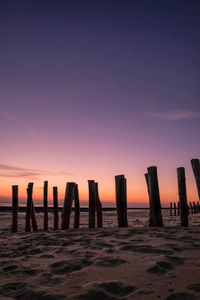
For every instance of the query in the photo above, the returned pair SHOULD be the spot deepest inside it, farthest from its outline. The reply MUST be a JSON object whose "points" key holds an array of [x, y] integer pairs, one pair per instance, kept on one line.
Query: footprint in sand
{"points": [[110, 262], [64, 267]]}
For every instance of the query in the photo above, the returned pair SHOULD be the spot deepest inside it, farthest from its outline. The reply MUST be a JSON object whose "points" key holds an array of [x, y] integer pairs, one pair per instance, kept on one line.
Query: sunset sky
{"points": [[93, 89]]}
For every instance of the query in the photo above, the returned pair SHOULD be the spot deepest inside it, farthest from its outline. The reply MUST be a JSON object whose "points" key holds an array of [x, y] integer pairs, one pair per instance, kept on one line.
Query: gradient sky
{"points": [[93, 89]]}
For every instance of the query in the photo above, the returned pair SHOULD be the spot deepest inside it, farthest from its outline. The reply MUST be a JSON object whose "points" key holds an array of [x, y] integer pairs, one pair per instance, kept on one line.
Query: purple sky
{"points": [[90, 89]]}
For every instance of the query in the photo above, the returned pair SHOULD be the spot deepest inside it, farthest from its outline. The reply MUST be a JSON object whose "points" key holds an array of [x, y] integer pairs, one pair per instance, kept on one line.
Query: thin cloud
{"points": [[175, 115], [18, 172]]}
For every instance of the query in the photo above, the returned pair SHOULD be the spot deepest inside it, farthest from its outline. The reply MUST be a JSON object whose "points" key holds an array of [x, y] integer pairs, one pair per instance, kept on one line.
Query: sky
{"points": [[94, 89]]}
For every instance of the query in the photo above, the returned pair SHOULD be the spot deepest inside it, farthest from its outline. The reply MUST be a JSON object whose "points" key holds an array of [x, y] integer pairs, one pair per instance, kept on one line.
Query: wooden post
{"points": [[188, 209], [33, 218], [154, 197], [55, 207], [196, 170], [150, 210], [174, 209], [121, 200], [98, 208], [67, 207], [14, 208], [194, 208], [45, 205], [92, 203], [29, 207], [198, 206], [191, 208], [76, 208], [170, 208], [178, 204], [182, 196]]}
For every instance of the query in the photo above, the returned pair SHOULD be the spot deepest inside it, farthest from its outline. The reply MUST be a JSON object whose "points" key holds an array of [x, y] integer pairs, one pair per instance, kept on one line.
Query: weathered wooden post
{"points": [[14, 208], [196, 170], [191, 208], [98, 208], [29, 207], [92, 203], [198, 206], [150, 210], [178, 204], [121, 200], [76, 208], [174, 208], [170, 208], [55, 207], [182, 196], [33, 218], [194, 208], [155, 204], [45, 202], [67, 207]]}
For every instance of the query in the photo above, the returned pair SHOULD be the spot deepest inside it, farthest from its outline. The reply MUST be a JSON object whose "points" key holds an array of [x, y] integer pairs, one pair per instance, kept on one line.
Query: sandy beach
{"points": [[137, 262]]}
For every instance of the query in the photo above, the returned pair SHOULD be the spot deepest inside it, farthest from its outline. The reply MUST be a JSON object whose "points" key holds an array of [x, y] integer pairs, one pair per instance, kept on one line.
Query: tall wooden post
{"points": [[98, 208], [121, 200], [182, 196], [178, 204], [76, 208], [92, 203], [55, 207], [29, 207], [150, 210], [196, 170], [14, 208], [45, 205], [170, 208], [174, 208], [67, 207], [154, 197]]}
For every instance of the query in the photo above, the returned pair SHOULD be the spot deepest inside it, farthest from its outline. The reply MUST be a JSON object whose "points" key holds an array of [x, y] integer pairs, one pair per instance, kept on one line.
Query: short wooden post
{"points": [[67, 207], [188, 209], [194, 208], [170, 208], [45, 202], [154, 197], [150, 210], [76, 208], [191, 208], [178, 204], [29, 207], [196, 170], [121, 200], [198, 206], [174, 209], [55, 207], [33, 218], [14, 208], [182, 196], [98, 208], [92, 203]]}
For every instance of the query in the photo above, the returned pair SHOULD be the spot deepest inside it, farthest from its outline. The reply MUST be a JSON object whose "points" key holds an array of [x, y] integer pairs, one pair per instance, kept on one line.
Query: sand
{"points": [[110, 263]]}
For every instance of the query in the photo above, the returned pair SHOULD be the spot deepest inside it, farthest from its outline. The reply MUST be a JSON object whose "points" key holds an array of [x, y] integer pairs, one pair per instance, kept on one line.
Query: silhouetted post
{"points": [[98, 207], [29, 207], [194, 208], [150, 210], [178, 204], [33, 218], [55, 207], [196, 170], [182, 196], [198, 206], [92, 203], [14, 208], [188, 209], [121, 200], [155, 204], [46, 205], [191, 208], [170, 208], [76, 208], [67, 207], [174, 209]]}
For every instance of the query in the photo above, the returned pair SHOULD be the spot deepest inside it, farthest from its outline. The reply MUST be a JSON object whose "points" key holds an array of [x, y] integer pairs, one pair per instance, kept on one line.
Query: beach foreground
{"points": [[130, 263]]}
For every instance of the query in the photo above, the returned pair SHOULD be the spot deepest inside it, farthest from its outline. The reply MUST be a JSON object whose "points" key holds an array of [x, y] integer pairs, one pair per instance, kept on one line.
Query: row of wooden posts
{"points": [[175, 208], [95, 206]]}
